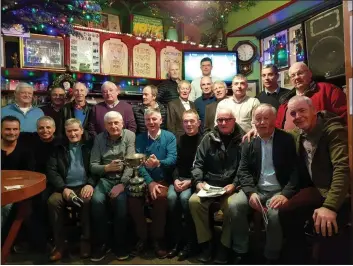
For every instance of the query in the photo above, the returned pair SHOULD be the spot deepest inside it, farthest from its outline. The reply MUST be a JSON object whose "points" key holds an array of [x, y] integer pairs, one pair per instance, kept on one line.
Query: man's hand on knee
{"points": [[325, 221], [116, 190], [86, 191], [66, 193]]}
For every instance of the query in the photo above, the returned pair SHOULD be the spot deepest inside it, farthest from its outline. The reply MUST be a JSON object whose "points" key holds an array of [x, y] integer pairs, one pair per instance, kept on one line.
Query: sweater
{"points": [[164, 148], [200, 104], [21, 158], [167, 91], [76, 174], [272, 98], [187, 147], [28, 121], [96, 120], [325, 96]]}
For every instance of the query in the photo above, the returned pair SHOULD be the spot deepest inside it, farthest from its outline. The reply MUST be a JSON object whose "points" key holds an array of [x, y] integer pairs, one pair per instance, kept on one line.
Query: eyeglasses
{"points": [[226, 120]]}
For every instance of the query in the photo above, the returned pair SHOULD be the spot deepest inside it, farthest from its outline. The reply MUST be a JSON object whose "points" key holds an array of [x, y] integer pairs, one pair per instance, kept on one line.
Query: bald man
{"points": [[168, 89], [325, 96]]}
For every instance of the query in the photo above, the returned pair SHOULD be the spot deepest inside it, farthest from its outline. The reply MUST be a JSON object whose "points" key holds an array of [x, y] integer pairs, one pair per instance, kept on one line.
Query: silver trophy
{"points": [[137, 186]]}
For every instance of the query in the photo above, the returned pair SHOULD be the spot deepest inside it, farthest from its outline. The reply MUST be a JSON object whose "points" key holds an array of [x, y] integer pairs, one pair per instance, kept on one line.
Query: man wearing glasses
{"points": [[216, 163], [325, 96]]}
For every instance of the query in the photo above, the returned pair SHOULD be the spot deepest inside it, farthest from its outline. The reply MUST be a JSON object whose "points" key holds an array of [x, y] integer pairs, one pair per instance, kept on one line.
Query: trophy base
{"points": [[137, 187]]}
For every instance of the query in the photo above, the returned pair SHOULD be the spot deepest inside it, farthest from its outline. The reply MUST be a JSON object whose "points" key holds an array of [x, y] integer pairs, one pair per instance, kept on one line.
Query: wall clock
{"points": [[247, 52]]}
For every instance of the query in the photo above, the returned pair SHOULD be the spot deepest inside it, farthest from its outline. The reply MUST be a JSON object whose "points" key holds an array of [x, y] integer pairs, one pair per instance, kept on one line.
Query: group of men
{"points": [[283, 154]]}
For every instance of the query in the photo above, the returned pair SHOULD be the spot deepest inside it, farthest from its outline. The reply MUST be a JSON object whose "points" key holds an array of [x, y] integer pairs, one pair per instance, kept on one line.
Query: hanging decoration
{"points": [[50, 16]]}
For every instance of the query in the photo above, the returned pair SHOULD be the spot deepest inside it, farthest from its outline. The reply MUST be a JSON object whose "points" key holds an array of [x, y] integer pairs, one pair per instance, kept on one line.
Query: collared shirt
{"points": [[157, 136], [276, 92], [113, 105], [312, 86], [186, 104], [268, 180]]}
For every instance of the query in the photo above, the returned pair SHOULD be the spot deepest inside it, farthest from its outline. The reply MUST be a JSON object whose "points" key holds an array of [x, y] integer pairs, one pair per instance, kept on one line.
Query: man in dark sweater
{"points": [[110, 93], [149, 96], [272, 91], [180, 191], [167, 90]]}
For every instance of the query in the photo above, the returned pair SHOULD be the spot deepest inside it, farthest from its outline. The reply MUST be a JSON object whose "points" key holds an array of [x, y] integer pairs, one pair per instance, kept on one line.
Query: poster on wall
{"points": [[170, 55], [285, 79], [144, 26], [275, 49], [144, 61], [84, 52], [296, 44], [115, 57], [41, 51]]}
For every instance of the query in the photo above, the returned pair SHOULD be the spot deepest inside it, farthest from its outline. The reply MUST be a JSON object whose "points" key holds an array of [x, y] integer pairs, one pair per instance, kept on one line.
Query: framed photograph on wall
{"points": [[42, 51], [108, 22], [285, 79], [253, 88], [147, 27]]}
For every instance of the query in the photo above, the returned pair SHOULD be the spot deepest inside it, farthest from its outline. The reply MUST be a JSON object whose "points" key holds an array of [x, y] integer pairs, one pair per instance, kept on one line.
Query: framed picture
{"points": [[42, 51], [253, 88], [108, 22], [285, 79], [149, 27]]}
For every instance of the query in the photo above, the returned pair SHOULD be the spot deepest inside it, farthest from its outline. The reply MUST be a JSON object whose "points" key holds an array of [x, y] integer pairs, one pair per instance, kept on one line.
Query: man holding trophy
{"points": [[109, 150]]}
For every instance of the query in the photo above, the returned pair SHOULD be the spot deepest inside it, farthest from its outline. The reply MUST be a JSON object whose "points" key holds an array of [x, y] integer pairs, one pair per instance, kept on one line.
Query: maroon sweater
{"points": [[96, 120]]}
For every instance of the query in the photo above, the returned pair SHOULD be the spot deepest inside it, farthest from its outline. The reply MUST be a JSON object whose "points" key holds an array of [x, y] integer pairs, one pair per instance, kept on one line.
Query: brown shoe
{"points": [[85, 249], [159, 250], [56, 255]]}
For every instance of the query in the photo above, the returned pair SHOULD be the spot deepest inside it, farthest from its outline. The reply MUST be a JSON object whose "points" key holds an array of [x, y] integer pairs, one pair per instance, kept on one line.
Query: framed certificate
{"points": [[42, 52]]}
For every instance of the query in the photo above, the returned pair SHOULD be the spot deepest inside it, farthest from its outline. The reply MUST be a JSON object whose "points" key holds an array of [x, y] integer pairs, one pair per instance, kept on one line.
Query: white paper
{"points": [[211, 191], [350, 87], [350, 6], [13, 187]]}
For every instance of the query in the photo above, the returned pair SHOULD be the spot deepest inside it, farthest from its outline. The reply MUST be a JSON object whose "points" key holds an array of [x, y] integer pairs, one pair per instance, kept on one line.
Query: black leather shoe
{"points": [[139, 248], [222, 255], [173, 252], [185, 252], [206, 253], [159, 249]]}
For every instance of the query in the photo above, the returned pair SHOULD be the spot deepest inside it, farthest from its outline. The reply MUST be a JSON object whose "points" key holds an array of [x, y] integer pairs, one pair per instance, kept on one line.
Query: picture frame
{"points": [[285, 79], [147, 27], [42, 52], [108, 22], [253, 88]]}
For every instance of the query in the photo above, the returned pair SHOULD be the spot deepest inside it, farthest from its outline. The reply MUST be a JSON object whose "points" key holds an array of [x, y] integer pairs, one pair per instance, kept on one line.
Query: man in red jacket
{"points": [[325, 96]]}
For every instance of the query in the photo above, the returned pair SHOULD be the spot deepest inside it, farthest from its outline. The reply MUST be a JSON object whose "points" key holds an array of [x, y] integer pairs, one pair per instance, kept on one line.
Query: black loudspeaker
{"points": [[325, 43]]}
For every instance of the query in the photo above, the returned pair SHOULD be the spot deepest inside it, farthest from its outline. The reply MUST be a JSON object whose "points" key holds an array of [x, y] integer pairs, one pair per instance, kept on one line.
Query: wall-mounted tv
{"points": [[225, 64]]}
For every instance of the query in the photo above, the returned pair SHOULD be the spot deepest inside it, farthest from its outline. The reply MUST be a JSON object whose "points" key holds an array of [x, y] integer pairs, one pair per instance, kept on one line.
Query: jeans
{"points": [[100, 214], [178, 205]]}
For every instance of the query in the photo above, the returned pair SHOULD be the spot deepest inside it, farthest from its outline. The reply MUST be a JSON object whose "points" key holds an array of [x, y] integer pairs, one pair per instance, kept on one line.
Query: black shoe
{"points": [[222, 255], [206, 253], [159, 249], [173, 252], [240, 258], [121, 254], [99, 253], [185, 252], [139, 248]]}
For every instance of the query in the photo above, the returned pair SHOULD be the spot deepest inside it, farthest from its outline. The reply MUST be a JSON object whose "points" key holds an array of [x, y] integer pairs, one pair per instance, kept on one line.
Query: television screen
{"points": [[225, 64]]}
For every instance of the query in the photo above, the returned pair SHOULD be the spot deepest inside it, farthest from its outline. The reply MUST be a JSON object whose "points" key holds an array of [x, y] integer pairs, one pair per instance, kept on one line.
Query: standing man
{"points": [[110, 147], [177, 107], [167, 90], [23, 109], [220, 92], [206, 98], [322, 146], [196, 87], [110, 93], [52, 109], [160, 148], [272, 91], [78, 108], [268, 178], [240, 102], [149, 96], [180, 191]]}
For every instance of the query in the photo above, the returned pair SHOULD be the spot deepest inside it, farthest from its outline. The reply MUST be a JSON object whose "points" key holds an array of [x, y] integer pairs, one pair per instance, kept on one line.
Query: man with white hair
{"points": [[23, 109], [268, 178], [110, 93], [109, 150], [216, 164], [167, 90], [325, 96]]}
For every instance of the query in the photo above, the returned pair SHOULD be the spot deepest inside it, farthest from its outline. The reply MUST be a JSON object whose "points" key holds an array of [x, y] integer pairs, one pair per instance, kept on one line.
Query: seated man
{"points": [[160, 147], [68, 173], [216, 163], [268, 178], [109, 148], [180, 192], [322, 145]]}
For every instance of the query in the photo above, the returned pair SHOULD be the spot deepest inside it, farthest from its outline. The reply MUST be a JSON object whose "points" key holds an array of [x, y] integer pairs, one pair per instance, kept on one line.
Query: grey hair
{"points": [[150, 111], [23, 85], [109, 83], [71, 121], [111, 115], [240, 76], [184, 82], [79, 83], [46, 118], [220, 82], [264, 106], [299, 98], [227, 110]]}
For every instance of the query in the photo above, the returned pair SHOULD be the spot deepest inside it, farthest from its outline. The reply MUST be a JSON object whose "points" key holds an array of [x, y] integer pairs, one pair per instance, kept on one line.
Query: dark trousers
{"points": [[158, 216], [100, 214], [293, 216], [57, 208]]}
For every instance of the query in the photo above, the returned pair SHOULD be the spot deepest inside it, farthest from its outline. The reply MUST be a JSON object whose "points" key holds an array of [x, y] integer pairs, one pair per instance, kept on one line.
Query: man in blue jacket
{"points": [[160, 148]]}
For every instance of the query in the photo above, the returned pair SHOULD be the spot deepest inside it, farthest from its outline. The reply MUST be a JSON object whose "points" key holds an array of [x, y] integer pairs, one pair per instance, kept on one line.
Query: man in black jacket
{"points": [[68, 172], [268, 178], [167, 90], [216, 164]]}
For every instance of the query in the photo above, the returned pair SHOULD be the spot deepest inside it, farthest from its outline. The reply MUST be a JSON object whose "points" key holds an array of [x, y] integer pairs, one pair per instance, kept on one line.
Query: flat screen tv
{"points": [[225, 64]]}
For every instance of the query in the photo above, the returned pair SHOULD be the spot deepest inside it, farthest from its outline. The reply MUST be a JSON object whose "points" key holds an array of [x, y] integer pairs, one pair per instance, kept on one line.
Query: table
{"points": [[30, 184]]}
